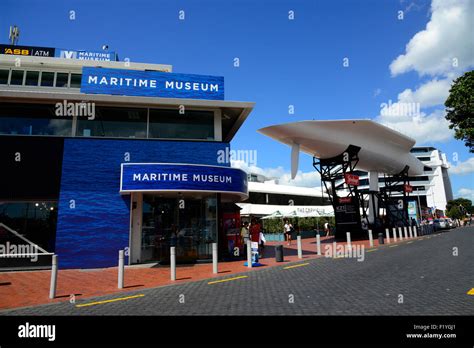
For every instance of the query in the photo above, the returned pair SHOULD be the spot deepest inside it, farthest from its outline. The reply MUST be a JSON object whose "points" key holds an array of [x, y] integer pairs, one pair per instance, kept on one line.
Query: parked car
{"points": [[441, 224]]}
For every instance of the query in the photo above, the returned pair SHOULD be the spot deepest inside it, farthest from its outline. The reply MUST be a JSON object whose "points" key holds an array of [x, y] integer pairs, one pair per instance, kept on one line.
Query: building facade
{"points": [[101, 156]]}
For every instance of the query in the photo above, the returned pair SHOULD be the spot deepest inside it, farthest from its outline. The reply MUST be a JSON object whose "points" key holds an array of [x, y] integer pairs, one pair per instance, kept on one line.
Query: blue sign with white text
{"points": [[151, 84], [85, 55], [182, 177]]}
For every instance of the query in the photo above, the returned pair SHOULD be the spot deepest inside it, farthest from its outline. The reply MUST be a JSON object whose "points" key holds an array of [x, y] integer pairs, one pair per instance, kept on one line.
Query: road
{"points": [[424, 277]]}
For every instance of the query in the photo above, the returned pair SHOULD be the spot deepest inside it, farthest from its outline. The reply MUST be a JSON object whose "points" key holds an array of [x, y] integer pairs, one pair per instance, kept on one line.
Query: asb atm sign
{"points": [[151, 84]]}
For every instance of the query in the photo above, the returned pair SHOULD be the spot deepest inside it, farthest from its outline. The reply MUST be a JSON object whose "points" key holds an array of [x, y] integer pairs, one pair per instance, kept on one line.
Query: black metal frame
{"points": [[395, 189]]}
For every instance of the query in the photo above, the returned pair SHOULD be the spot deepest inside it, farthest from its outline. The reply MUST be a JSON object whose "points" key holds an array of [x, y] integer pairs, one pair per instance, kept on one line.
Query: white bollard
{"points": [[405, 232], [318, 244], [300, 249], [249, 254], [394, 234], [371, 239], [173, 262], [400, 233], [415, 231], [348, 238], [54, 277], [214, 258], [410, 232], [120, 269], [387, 235], [334, 249]]}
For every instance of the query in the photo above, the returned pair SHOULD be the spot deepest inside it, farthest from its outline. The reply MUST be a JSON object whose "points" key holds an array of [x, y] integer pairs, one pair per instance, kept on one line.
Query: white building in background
{"points": [[432, 189], [266, 196]]}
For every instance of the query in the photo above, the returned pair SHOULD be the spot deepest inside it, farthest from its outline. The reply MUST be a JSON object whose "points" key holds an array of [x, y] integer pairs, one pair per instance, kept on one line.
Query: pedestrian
{"points": [[287, 230], [244, 235], [327, 229], [262, 242], [255, 231]]}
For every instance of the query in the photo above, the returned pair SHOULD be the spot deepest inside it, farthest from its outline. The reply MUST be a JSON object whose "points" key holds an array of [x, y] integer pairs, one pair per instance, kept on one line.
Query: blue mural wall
{"points": [[93, 218]]}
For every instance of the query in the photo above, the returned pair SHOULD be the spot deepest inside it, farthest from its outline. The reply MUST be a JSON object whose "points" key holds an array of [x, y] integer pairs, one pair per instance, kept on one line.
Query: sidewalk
{"points": [[30, 288]]}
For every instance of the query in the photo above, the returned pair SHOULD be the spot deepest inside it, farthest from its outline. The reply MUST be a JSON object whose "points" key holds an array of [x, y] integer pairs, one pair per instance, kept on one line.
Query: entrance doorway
{"points": [[186, 221]]}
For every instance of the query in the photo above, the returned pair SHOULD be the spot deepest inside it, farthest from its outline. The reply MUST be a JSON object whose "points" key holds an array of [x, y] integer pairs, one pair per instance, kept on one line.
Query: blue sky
{"points": [[282, 62]]}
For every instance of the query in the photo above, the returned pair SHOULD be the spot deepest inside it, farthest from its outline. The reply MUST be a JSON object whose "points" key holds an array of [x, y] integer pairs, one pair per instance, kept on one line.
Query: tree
{"points": [[455, 213], [460, 109], [465, 203]]}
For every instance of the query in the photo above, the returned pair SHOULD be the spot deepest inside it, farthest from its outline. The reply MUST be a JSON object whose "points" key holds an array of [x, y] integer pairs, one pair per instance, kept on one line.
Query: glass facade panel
{"points": [[4, 76], [192, 229], [170, 124], [76, 80], [62, 79], [114, 122], [17, 77], [47, 79], [33, 119], [32, 78]]}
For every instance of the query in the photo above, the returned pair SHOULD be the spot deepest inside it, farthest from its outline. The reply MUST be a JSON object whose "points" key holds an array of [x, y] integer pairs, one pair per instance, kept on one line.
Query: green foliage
{"points": [[466, 203], [460, 109], [455, 213]]}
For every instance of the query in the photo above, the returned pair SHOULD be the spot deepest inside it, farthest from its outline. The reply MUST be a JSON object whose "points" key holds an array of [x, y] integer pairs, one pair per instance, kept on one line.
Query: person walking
{"points": [[327, 228], [245, 235], [261, 243], [287, 230]]}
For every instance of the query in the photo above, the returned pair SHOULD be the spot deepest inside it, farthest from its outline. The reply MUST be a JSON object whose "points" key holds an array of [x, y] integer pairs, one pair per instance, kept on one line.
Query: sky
{"points": [[340, 59]]}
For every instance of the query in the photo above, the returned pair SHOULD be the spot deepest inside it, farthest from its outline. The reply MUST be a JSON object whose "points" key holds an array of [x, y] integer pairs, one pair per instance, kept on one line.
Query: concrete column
{"points": [[173, 262], [214, 258], [120, 269], [318, 244], [405, 232], [400, 233], [410, 232], [54, 277], [300, 249], [394, 234], [371, 238], [415, 231], [387, 235]]}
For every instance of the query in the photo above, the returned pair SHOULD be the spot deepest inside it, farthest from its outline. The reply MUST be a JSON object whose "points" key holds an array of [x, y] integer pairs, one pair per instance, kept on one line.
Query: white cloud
{"points": [[465, 193], [424, 128], [431, 93], [447, 36], [463, 168], [303, 179]]}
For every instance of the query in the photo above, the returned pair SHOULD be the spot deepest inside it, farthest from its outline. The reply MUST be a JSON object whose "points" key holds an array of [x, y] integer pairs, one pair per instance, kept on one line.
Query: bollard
{"points": [[318, 244], [415, 232], [405, 232], [410, 232], [214, 258], [400, 233], [249, 254], [394, 234], [371, 239], [381, 241], [173, 262], [54, 277], [300, 251], [279, 253], [387, 235], [348, 239], [120, 269], [334, 249]]}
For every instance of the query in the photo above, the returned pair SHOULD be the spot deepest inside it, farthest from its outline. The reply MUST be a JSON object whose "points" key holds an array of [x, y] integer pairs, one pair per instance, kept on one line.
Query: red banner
{"points": [[344, 199], [351, 179], [408, 188]]}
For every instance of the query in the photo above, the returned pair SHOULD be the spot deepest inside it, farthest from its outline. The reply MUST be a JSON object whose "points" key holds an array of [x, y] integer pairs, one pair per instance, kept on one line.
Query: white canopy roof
{"points": [[267, 209]]}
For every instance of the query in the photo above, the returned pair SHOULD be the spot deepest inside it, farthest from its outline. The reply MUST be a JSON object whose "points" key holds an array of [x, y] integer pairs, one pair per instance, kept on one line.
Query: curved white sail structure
{"points": [[382, 149]]}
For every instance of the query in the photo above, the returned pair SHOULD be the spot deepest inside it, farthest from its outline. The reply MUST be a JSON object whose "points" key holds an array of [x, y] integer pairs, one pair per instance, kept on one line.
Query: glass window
{"points": [[61, 79], [47, 79], [113, 122], [170, 124], [33, 119], [32, 78], [76, 80], [4, 77], [17, 77]]}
